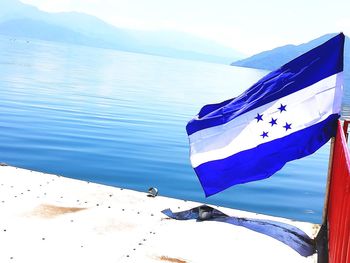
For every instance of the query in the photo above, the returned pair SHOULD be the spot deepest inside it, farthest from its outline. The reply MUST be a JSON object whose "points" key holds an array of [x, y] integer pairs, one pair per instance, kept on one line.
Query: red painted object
{"points": [[339, 202]]}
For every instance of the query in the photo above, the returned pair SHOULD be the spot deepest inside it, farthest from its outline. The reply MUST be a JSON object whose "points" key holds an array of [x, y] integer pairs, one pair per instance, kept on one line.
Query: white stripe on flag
{"points": [[304, 108]]}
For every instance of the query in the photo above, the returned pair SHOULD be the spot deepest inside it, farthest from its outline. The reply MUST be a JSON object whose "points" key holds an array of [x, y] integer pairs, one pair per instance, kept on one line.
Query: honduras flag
{"points": [[287, 115]]}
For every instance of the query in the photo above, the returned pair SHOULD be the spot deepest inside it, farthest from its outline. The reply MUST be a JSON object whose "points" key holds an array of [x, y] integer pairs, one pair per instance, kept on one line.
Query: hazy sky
{"points": [[249, 26]]}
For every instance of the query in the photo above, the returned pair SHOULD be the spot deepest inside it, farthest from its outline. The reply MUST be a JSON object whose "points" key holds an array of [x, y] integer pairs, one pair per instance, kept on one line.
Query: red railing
{"points": [[338, 214]]}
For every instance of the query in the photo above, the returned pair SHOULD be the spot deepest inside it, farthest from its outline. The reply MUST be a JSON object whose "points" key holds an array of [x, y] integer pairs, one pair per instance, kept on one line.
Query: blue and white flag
{"points": [[287, 115]]}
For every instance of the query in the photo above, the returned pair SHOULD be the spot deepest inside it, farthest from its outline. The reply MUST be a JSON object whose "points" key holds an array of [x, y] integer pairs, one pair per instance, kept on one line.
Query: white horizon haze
{"points": [[249, 26]]}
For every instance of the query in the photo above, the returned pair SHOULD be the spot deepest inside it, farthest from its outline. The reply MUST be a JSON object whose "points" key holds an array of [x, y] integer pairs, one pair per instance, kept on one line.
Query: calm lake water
{"points": [[119, 119]]}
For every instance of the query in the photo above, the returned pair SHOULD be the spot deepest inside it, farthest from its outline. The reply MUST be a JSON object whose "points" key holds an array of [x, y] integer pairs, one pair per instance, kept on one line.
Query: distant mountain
{"points": [[21, 20], [37, 29], [182, 42], [29, 28], [273, 59]]}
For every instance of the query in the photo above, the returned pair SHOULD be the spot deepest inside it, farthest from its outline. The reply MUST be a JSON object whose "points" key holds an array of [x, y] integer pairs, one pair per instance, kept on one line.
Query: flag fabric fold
{"points": [[287, 115], [288, 234]]}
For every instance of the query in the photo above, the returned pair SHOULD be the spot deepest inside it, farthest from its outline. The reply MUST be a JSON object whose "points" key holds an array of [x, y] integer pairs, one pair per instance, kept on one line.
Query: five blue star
{"points": [[282, 107], [287, 126], [264, 134], [273, 122], [259, 117]]}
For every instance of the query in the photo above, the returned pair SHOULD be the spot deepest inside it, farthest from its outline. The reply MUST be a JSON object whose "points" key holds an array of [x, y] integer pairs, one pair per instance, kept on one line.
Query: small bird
{"points": [[152, 192]]}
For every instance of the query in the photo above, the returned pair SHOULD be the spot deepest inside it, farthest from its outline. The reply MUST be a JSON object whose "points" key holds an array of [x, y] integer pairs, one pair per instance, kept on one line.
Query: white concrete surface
{"points": [[47, 218]]}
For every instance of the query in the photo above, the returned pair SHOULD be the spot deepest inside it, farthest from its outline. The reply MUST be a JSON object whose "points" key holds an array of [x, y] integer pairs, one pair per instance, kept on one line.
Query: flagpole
{"points": [[322, 237], [330, 163]]}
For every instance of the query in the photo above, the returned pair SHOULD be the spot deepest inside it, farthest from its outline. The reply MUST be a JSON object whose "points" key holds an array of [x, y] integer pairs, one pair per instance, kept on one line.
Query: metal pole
{"points": [[322, 236], [330, 163]]}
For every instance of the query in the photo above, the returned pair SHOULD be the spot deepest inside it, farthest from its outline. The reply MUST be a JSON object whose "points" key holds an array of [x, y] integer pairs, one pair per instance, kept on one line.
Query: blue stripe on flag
{"points": [[266, 159], [307, 69]]}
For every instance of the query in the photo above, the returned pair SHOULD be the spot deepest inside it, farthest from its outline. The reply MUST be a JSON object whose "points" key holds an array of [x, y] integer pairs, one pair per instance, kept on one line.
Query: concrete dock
{"points": [[49, 218]]}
